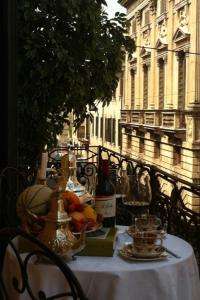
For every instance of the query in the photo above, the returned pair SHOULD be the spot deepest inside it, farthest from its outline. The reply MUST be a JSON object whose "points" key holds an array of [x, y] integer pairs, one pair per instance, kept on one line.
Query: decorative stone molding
{"points": [[163, 31], [162, 56], [183, 20], [182, 50], [146, 63], [146, 29], [189, 129], [168, 120], [145, 52], [181, 4], [162, 17], [161, 46], [181, 36], [133, 68], [150, 118], [153, 6], [193, 132]]}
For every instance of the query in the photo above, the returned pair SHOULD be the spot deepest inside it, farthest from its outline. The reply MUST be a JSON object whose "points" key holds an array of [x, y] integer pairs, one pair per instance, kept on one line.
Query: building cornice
{"points": [[125, 3]]}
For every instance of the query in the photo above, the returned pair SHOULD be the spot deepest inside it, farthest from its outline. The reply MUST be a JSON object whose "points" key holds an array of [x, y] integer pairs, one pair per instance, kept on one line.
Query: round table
{"points": [[115, 278]]}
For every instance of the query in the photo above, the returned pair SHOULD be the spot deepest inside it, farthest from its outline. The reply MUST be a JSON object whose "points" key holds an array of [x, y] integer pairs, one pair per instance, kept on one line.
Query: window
{"points": [[119, 134], [146, 17], [141, 145], [145, 87], [181, 79], [97, 127], [177, 155], [157, 149], [101, 129], [132, 89], [113, 131], [129, 141], [106, 129], [134, 26], [93, 127], [162, 6], [88, 128], [122, 85], [161, 83], [109, 130]]}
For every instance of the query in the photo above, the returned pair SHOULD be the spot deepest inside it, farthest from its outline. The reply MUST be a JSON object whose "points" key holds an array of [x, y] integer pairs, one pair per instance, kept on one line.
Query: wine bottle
{"points": [[105, 197]]}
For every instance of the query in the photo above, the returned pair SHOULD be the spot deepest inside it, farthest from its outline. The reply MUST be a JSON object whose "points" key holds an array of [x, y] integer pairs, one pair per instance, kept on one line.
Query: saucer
{"points": [[157, 251], [128, 252]]}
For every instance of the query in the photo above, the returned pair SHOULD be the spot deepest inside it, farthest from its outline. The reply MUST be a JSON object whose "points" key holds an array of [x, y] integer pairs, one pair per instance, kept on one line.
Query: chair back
{"points": [[21, 283]]}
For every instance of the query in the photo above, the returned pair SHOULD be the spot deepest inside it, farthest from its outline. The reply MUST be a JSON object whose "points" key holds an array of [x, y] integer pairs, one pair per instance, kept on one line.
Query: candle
{"points": [[43, 166]]}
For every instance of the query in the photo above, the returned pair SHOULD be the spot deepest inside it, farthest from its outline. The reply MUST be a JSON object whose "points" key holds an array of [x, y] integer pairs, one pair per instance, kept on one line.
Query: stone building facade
{"points": [[159, 90], [160, 113]]}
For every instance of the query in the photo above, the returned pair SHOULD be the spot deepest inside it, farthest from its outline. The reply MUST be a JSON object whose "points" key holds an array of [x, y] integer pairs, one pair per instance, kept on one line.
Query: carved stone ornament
{"points": [[183, 20], [163, 31], [152, 6], [189, 128]]}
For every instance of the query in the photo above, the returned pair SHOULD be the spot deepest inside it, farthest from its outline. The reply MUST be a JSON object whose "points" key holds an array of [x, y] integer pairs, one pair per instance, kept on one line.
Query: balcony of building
{"points": [[160, 122]]}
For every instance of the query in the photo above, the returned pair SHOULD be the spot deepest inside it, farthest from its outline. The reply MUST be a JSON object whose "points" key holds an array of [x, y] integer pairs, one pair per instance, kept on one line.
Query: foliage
{"points": [[69, 55]]}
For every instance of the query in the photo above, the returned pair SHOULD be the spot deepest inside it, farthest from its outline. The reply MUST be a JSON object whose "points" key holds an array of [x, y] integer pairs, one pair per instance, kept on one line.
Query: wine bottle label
{"points": [[105, 206]]}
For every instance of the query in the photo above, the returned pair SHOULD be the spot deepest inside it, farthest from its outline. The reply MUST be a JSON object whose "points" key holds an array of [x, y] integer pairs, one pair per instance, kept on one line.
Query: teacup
{"points": [[147, 222], [146, 241]]}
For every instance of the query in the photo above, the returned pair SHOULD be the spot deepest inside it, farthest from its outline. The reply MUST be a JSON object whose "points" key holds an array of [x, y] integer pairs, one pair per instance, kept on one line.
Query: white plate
{"points": [[128, 252]]}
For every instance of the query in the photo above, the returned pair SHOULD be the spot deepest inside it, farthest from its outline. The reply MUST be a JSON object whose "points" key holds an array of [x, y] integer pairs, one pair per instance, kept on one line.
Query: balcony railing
{"points": [[171, 196]]}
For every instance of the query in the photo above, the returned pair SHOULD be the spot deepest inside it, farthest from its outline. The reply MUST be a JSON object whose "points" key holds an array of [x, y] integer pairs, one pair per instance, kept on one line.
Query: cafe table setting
{"points": [[139, 262], [170, 276]]}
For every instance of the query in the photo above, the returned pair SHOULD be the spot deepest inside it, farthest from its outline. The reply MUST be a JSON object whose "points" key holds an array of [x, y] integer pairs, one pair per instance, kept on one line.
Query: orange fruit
{"points": [[90, 213]]}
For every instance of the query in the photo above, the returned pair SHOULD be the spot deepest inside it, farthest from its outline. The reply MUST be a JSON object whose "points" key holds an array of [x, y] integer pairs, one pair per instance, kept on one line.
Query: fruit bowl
{"points": [[96, 227], [80, 213]]}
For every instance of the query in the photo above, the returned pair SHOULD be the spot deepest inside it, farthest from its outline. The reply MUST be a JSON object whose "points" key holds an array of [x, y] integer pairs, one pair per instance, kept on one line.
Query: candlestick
{"points": [[43, 166]]}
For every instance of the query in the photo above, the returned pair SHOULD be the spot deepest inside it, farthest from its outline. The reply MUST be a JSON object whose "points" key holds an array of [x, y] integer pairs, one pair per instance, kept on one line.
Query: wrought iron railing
{"points": [[171, 197]]}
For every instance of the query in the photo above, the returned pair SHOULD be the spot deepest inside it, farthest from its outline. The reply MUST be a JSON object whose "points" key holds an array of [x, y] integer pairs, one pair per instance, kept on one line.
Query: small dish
{"points": [[129, 253]]}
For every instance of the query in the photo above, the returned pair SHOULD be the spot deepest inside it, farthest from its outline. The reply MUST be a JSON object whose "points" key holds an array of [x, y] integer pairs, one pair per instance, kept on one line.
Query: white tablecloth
{"points": [[113, 278]]}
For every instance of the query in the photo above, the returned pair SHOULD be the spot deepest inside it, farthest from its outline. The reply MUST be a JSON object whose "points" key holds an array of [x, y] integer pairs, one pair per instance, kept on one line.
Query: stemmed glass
{"points": [[135, 192]]}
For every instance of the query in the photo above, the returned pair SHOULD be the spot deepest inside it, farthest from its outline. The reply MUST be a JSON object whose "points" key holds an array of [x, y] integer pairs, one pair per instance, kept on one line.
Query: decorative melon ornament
{"points": [[32, 203]]}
